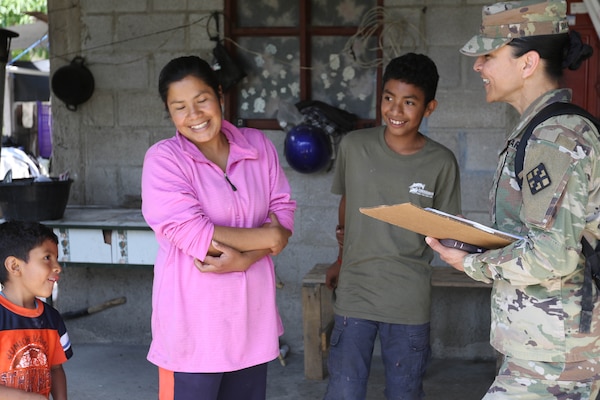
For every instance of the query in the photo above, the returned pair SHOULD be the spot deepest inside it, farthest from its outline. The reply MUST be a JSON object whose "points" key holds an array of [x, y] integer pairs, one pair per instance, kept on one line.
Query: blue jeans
{"points": [[405, 352]]}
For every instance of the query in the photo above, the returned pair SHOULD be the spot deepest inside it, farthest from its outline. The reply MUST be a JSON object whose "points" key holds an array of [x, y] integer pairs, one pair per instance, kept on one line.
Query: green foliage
{"points": [[12, 12]]}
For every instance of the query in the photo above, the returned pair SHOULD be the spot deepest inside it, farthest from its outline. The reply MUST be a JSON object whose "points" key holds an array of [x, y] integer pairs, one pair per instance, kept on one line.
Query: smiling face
{"points": [[195, 110], [403, 106], [35, 277], [501, 75]]}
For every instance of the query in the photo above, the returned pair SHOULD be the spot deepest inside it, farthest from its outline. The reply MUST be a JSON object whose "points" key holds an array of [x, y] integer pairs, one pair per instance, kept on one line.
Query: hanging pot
{"points": [[73, 83]]}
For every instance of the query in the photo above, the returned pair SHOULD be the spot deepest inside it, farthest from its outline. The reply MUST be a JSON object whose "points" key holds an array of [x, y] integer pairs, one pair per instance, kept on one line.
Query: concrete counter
{"points": [[92, 217], [105, 236]]}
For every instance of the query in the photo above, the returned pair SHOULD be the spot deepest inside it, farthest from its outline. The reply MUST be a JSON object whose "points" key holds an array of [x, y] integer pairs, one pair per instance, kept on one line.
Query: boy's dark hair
{"points": [[414, 69], [18, 238]]}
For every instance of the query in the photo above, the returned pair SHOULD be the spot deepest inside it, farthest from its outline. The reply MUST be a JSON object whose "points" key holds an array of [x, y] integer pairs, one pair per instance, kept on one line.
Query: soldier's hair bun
{"points": [[576, 51]]}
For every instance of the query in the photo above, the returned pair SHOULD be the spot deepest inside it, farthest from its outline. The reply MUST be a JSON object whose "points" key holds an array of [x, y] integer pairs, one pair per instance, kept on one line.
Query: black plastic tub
{"points": [[26, 200]]}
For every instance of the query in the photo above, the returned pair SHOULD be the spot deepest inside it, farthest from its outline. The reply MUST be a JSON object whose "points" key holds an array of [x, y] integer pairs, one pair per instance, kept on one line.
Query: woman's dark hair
{"points": [[18, 238], [179, 68], [565, 50], [414, 69]]}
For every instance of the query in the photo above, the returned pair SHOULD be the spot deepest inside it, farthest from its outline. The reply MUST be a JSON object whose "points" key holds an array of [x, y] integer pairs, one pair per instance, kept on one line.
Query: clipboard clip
{"points": [[456, 244]]}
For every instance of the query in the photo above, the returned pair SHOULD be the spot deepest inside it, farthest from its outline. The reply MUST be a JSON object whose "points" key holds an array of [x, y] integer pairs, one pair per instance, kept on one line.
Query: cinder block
{"points": [[95, 6], [466, 112], [133, 71], [137, 109], [105, 145], [98, 31], [475, 188], [482, 148], [101, 112], [131, 181], [104, 187], [155, 32], [447, 60], [452, 24]]}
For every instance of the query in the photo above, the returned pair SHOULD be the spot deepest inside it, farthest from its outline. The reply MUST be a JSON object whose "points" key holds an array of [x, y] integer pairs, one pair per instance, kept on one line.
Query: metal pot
{"points": [[73, 83]]}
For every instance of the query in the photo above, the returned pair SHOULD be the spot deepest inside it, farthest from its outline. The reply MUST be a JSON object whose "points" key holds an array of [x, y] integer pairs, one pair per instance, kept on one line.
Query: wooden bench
{"points": [[317, 312]]}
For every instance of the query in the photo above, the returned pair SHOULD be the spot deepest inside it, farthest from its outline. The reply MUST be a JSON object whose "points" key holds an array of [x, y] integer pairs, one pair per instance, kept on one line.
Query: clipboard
{"points": [[440, 225]]}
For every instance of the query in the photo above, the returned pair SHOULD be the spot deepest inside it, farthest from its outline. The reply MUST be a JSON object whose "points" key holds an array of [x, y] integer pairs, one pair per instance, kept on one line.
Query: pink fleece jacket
{"points": [[204, 322]]}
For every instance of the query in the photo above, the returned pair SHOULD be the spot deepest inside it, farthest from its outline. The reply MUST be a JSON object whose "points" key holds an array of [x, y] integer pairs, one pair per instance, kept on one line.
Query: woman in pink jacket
{"points": [[220, 206]]}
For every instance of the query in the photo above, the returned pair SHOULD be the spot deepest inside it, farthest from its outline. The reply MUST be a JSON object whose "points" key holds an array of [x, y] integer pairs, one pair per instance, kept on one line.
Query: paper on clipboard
{"points": [[440, 225]]}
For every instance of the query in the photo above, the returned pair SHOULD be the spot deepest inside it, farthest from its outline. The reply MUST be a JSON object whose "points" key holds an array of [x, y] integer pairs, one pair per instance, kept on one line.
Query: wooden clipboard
{"points": [[439, 225]]}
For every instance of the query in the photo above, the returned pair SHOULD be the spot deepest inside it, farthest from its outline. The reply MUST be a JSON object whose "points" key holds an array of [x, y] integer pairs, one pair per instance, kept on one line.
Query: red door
{"points": [[585, 81]]}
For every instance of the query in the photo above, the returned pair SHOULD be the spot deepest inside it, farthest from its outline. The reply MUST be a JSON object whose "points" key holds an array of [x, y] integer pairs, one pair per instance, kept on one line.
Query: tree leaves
{"points": [[13, 12]]}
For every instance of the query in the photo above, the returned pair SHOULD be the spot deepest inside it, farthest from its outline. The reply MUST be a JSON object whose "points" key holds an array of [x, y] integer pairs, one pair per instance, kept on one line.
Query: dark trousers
{"points": [[248, 384], [405, 352]]}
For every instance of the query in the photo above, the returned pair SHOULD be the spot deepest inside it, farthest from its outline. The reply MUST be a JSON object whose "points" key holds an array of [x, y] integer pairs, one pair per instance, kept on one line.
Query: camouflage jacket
{"points": [[537, 281]]}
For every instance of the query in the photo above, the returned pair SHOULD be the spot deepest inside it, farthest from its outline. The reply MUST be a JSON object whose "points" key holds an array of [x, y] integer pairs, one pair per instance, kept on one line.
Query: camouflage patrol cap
{"points": [[502, 22]]}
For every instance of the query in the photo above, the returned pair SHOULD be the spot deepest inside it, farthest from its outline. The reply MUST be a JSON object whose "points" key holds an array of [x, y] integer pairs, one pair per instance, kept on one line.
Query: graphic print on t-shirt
{"points": [[28, 367], [419, 189]]}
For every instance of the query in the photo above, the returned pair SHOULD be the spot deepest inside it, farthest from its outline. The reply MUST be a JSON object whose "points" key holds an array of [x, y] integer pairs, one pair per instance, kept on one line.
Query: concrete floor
{"points": [[121, 372]]}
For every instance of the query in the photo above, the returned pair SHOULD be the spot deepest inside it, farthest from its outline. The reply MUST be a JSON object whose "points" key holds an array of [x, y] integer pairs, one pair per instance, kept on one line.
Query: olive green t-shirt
{"points": [[386, 272]]}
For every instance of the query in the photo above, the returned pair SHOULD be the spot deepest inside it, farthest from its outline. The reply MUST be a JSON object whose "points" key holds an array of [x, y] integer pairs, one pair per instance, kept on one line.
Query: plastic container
{"points": [[44, 112], [26, 200]]}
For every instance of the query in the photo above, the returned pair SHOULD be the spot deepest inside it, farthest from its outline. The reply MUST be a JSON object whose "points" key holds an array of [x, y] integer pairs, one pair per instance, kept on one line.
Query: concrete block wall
{"points": [[125, 44]]}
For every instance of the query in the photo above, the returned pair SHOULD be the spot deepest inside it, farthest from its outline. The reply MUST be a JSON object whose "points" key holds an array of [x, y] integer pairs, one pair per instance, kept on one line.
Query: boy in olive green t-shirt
{"points": [[382, 277]]}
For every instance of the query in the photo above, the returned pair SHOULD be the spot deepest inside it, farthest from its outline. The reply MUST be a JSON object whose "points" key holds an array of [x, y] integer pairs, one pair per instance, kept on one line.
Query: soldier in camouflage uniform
{"points": [[537, 281]]}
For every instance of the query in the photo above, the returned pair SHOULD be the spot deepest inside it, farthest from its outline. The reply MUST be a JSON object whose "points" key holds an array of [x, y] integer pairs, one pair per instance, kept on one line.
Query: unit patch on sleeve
{"points": [[538, 178]]}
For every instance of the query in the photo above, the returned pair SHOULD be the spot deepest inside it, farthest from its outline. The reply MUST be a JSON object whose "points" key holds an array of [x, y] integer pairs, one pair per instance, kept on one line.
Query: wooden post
{"points": [[317, 312]]}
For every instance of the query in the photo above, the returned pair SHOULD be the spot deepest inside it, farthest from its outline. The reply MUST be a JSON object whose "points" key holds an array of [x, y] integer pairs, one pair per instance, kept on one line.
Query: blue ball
{"points": [[307, 149]]}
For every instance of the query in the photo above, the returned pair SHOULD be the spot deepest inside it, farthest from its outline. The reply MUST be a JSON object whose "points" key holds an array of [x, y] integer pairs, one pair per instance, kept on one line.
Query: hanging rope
{"points": [[394, 32]]}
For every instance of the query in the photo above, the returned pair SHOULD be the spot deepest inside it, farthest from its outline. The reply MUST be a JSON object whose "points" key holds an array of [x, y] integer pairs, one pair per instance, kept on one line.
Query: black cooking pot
{"points": [[73, 83]]}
